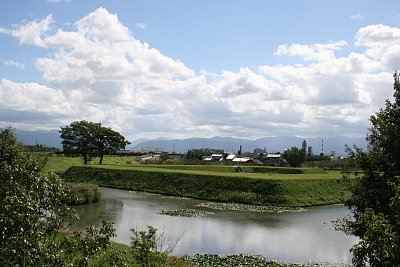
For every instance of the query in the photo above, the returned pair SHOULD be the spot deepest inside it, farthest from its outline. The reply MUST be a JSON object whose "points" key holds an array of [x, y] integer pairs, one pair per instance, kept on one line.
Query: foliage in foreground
{"points": [[35, 216], [152, 249], [34, 212], [376, 194]]}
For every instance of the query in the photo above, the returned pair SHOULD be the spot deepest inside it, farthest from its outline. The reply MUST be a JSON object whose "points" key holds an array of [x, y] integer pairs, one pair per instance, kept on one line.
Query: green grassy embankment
{"points": [[60, 164], [262, 186]]}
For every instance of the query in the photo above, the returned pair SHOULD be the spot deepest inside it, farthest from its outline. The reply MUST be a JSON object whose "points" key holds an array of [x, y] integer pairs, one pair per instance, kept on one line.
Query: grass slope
{"points": [[303, 189]]}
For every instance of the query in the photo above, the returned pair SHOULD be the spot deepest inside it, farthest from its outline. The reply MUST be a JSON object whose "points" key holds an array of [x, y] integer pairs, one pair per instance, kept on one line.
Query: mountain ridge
{"points": [[229, 144], [272, 144]]}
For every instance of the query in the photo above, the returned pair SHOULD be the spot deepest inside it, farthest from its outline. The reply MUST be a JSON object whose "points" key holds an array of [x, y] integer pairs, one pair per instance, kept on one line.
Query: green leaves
{"points": [[144, 245], [34, 212], [379, 243], [375, 196], [88, 138], [295, 156]]}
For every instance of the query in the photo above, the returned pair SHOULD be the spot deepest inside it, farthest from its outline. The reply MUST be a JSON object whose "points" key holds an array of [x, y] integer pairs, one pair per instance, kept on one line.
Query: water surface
{"points": [[290, 236]]}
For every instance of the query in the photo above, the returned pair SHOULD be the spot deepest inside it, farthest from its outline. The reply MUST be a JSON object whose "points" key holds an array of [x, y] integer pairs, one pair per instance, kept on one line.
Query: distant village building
{"points": [[247, 160], [149, 157], [217, 157], [214, 157], [230, 157], [242, 160], [275, 160]]}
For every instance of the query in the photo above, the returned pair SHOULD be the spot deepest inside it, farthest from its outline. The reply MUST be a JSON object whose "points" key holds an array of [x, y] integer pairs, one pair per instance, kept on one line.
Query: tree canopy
{"points": [[88, 138], [294, 156], [375, 199]]}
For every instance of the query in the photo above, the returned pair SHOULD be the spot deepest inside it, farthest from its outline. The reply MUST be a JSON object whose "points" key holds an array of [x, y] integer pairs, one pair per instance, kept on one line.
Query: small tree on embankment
{"points": [[86, 138]]}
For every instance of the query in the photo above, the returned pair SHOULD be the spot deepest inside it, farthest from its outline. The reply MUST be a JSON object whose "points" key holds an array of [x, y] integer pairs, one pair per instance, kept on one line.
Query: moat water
{"points": [[288, 236]]}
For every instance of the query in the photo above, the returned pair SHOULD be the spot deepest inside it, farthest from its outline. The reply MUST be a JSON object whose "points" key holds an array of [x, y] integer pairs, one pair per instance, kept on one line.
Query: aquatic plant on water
{"points": [[244, 207], [185, 212], [247, 260]]}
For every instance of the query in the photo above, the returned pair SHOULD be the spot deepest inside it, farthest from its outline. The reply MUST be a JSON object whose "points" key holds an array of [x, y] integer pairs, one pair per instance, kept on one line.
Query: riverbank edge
{"points": [[219, 188], [207, 259]]}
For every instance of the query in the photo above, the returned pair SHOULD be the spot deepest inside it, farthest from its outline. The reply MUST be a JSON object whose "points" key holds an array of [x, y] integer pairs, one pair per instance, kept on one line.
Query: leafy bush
{"points": [[33, 213], [149, 249], [82, 193]]}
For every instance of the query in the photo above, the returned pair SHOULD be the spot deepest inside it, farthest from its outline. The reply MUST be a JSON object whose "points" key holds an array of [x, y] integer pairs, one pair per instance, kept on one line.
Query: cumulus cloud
{"points": [[32, 32], [383, 44], [316, 52], [37, 104], [98, 71]]}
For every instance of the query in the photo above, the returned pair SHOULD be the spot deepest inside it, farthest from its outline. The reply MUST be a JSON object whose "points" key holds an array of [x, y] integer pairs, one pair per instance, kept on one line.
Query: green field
{"points": [[228, 171], [60, 164]]}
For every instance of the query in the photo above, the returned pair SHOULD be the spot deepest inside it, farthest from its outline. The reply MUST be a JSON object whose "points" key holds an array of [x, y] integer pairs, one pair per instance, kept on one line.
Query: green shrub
{"points": [[82, 193]]}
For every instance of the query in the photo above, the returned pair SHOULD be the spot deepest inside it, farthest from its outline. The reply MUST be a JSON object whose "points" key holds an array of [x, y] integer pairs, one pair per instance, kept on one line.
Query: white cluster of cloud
{"points": [[100, 72]]}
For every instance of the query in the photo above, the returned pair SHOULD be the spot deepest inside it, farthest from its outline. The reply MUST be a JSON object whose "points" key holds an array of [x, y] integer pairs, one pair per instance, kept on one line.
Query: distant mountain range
{"points": [[230, 144], [272, 144], [46, 138]]}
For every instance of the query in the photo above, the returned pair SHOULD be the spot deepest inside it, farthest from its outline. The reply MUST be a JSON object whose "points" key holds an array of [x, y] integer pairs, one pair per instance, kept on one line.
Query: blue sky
{"points": [[198, 68]]}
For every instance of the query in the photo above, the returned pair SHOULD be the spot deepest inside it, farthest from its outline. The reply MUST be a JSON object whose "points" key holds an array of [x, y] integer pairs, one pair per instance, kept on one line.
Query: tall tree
{"points": [[109, 140], [375, 199], [79, 138], [87, 138]]}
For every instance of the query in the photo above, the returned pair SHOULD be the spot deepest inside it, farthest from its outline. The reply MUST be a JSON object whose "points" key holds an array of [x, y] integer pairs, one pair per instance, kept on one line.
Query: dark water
{"points": [[290, 236]]}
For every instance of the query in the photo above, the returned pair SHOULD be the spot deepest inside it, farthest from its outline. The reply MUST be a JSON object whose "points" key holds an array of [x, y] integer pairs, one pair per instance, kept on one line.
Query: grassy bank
{"points": [[60, 164], [270, 188]]}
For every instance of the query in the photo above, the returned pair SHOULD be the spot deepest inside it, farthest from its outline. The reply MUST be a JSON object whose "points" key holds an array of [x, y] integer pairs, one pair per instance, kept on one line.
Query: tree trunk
{"points": [[101, 158], [85, 159]]}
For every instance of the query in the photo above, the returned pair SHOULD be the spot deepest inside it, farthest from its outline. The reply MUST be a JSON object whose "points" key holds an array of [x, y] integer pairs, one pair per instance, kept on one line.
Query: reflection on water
{"points": [[297, 236]]}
